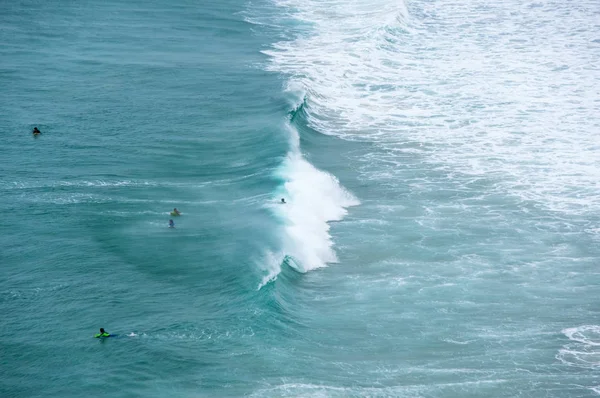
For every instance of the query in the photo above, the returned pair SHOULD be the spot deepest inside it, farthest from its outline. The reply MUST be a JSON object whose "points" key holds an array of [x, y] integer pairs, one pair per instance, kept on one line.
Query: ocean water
{"points": [[440, 161]]}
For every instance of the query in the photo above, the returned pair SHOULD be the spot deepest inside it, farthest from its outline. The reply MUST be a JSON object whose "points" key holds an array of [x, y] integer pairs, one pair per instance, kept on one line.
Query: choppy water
{"points": [[440, 165]]}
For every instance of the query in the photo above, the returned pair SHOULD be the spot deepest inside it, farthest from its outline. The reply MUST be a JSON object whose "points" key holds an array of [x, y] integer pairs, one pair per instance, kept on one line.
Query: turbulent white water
{"points": [[584, 348], [312, 198], [506, 90]]}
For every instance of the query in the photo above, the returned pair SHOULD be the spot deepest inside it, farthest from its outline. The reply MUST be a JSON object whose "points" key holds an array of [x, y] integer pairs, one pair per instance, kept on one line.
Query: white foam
{"points": [[583, 350], [481, 83], [587, 334], [291, 389], [313, 199]]}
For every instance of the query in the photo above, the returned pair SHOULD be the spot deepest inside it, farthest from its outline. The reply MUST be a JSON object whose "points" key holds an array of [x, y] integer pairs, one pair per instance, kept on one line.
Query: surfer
{"points": [[36, 131], [171, 224], [102, 333], [282, 200], [176, 212]]}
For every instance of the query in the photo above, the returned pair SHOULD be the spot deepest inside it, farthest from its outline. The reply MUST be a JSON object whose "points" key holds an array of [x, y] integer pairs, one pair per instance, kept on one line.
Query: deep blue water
{"points": [[439, 161]]}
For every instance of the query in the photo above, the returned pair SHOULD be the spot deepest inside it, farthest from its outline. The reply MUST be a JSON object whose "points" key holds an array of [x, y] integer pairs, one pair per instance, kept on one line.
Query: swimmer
{"points": [[102, 333], [176, 212], [282, 200], [171, 224], [36, 131]]}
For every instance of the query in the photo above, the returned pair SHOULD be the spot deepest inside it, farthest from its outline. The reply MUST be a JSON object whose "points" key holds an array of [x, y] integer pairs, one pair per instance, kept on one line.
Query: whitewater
{"points": [[483, 88], [314, 199]]}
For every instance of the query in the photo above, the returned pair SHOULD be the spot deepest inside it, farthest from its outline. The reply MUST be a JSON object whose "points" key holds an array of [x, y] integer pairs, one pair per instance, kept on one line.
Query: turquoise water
{"points": [[439, 161]]}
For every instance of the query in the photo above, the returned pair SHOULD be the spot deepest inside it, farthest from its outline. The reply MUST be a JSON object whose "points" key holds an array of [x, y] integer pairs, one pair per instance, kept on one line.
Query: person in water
{"points": [[176, 212], [282, 200], [102, 333], [36, 131], [171, 224]]}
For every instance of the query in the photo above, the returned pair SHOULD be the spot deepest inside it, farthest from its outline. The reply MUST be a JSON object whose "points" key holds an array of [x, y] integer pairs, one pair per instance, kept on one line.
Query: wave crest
{"points": [[313, 199]]}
